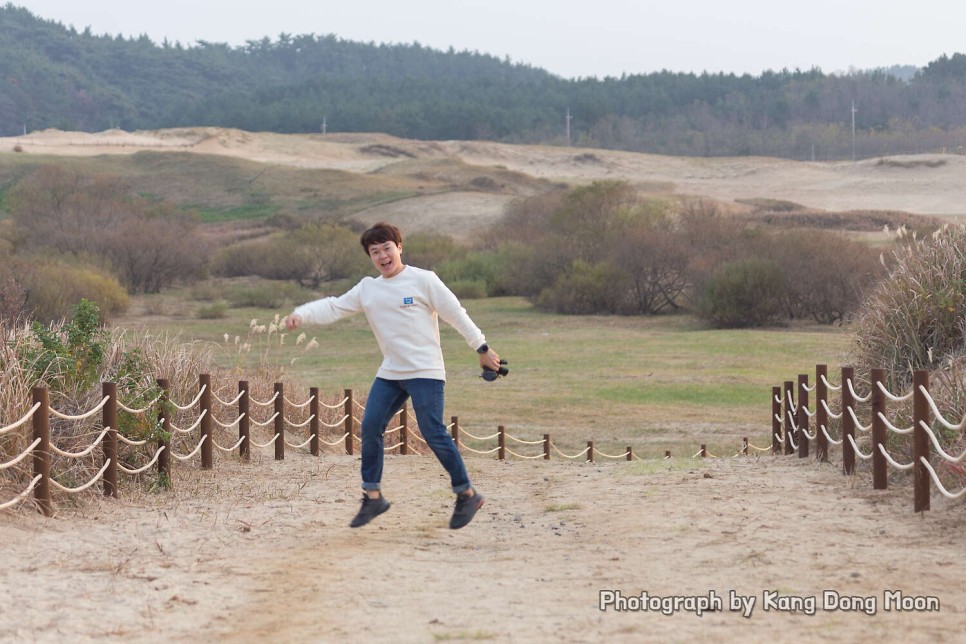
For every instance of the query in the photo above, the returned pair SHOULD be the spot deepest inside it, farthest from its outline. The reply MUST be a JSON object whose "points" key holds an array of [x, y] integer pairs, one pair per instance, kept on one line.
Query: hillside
{"points": [[56, 77], [457, 187]]}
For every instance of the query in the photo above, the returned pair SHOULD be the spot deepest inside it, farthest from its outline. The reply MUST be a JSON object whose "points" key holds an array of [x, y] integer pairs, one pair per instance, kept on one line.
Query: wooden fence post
{"points": [[348, 422], [279, 421], [704, 451], [455, 431], [207, 453], [787, 416], [667, 453], [164, 443], [821, 414], [920, 417], [590, 451], [109, 416], [41, 426], [776, 420], [244, 421], [630, 453], [314, 408], [848, 424], [802, 416], [744, 446], [546, 447], [404, 432], [501, 438], [880, 468]]}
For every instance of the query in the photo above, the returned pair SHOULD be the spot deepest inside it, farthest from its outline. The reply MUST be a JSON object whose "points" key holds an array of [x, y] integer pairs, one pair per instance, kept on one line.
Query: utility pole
{"points": [[569, 117], [853, 131], [323, 125]]}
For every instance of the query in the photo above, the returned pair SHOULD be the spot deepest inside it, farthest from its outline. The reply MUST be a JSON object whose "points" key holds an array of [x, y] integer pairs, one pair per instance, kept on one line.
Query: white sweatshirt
{"points": [[403, 312]]}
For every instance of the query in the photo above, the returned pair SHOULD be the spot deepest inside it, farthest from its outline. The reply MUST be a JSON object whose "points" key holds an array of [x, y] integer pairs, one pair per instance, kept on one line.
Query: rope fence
{"points": [[883, 438], [184, 432]]}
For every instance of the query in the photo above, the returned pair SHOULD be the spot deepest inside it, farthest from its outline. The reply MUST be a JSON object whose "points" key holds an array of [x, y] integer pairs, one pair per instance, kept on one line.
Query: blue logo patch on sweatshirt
{"points": [[407, 300]]}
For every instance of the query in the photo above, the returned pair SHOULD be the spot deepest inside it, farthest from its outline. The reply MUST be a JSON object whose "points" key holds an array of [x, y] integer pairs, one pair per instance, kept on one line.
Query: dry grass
{"points": [[160, 355], [916, 319]]}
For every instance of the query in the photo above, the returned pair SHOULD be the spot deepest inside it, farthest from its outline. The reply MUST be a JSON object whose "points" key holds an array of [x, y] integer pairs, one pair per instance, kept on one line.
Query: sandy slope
{"points": [[263, 551], [913, 184]]}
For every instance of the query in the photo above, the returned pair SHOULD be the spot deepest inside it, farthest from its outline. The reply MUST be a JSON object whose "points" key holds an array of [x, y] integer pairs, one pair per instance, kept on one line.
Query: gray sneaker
{"points": [[465, 510], [371, 508]]}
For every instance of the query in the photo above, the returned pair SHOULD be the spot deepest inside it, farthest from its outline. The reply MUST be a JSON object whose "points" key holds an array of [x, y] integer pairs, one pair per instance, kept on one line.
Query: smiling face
{"points": [[387, 258]]}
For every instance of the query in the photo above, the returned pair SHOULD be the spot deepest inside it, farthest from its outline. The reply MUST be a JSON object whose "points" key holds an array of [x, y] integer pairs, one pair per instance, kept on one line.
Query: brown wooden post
{"points": [[802, 416], [776, 420], [630, 453], [348, 422], [314, 408], [590, 451], [109, 416], [787, 416], [455, 431], [41, 425], [279, 421], [244, 421], [880, 468], [164, 442], [920, 416], [207, 449], [501, 437], [848, 424], [704, 451], [744, 446], [404, 432], [546, 447], [667, 453], [821, 415]]}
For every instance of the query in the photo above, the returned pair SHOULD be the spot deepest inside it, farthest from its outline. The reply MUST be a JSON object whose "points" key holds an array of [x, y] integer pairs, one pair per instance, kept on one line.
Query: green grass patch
{"points": [[236, 213], [655, 383]]}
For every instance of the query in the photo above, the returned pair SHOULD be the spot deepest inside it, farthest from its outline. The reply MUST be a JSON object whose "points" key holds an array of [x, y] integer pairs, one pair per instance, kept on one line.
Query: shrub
{"points": [[468, 289], [743, 293], [475, 267], [310, 255], [213, 311], [586, 289], [71, 352], [266, 296], [916, 319], [429, 250], [149, 245], [54, 287], [826, 275], [13, 297]]}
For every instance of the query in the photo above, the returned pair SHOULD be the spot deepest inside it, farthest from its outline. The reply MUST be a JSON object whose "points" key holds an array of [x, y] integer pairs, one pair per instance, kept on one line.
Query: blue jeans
{"points": [[386, 397]]}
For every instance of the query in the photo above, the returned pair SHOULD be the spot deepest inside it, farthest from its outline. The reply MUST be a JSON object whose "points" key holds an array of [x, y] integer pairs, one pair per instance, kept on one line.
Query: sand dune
{"points": [[923, 184]]}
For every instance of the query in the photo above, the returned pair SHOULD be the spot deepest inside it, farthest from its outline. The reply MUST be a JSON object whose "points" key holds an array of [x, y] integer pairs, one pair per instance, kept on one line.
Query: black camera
{"points": [[489, 375]]}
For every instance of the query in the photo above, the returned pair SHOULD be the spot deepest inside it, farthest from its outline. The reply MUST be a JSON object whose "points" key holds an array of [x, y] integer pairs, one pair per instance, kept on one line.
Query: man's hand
{"points": [[292, 322], [490, 360]]}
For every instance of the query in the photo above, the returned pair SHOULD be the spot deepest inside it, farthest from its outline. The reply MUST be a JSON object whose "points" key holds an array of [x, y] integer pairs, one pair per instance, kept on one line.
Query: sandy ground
{"points": [[262, 551]]}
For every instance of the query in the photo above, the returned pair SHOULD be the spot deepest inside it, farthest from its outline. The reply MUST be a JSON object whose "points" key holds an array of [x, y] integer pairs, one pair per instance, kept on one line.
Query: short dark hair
{"points": [[380, 234]]}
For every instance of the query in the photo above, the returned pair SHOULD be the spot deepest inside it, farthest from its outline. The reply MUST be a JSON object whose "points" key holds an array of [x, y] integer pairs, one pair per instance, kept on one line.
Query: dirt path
{"points": [[256, 552]]}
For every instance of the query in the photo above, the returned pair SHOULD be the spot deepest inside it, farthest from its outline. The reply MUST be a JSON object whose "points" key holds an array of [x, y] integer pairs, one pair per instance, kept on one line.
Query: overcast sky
{"points": [[566, 37]]}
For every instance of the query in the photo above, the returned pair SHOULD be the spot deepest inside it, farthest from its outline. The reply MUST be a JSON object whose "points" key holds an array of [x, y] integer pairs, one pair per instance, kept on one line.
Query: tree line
{"points": [[57, 77]]}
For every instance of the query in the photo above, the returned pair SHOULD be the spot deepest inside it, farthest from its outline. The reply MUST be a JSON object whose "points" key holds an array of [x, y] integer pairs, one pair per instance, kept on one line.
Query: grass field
{"points": [[653, 383]]}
